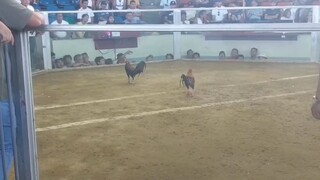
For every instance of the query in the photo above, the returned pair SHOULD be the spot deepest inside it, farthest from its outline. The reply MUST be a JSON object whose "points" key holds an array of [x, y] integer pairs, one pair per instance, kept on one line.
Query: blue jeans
{"points": [[7, 138]]}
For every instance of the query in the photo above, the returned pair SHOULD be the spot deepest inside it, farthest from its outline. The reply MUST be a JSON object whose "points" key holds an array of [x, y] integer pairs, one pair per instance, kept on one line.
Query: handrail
{"points": [[187, 9], [255, 27]]}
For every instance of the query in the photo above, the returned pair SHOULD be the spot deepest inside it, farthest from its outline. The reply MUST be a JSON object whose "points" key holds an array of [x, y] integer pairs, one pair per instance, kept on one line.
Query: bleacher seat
{"points": [[52, 16], [75, 2], [46, 2], [71, 18], [52, 8], [36, 6], [69, 8]]}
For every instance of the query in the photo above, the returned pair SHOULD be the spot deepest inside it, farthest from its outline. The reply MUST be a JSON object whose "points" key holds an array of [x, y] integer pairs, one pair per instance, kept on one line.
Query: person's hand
{"points": [[5, 34]]}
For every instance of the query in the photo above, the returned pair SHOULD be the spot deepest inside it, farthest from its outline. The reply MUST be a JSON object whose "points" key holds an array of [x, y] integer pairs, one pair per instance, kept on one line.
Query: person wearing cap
{"points": [[167, 4], [168, 15], [102, 17]]}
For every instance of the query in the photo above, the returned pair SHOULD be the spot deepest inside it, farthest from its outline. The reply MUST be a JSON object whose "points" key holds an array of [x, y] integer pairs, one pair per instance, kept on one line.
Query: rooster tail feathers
{"points": [[182, 80]]}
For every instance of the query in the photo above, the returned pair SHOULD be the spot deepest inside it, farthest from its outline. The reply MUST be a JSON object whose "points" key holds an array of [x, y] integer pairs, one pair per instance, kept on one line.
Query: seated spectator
{"points": [[254, 15], [102, 17], [233, 16], [184, 19], [190, 14], [218, 14], [169, 56], [109, 61], [91, 4], [108, 2], [86, 59], [254, 53], [35, 5], [78, 61], [133, 5], [84, 21], [85, 10], [166, 4], [222, 55], [130, 19], [110, 20], [234, 53], [286, 15], [99, 60], [26, 3], [302, 15], [121, 57], [272, 15], [189, 54], [168, 15], [202, 17], [67, 60], [119, 4], [59, 21], [59, 64], [196, 55]]}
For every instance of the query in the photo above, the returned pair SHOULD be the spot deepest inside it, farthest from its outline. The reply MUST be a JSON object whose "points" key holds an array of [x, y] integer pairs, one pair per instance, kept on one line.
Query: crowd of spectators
{"points": [[234, 55], [190, 16], [86, 15], [83, 60]]}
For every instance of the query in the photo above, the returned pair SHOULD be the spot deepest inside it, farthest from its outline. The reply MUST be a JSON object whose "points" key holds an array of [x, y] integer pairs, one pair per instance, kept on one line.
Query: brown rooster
{"points": [[133, 71], [189, 82]]}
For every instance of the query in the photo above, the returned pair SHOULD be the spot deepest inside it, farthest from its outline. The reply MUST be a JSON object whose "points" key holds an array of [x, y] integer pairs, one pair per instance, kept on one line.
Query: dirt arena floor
{"points": [[246, 121]]}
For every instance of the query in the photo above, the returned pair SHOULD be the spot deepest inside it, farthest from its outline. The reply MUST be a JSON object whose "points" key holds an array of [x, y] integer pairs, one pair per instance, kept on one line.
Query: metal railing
{"points": [[19, 79]]}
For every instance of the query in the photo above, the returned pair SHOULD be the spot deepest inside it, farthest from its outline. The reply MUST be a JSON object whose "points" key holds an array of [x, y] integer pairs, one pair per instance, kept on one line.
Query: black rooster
{"points": [[188, 81], [132, 72]]}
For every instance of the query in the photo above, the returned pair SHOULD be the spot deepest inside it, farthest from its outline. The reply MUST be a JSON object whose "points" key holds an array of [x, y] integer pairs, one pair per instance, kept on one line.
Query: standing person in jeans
{"points": [[12, 16]]}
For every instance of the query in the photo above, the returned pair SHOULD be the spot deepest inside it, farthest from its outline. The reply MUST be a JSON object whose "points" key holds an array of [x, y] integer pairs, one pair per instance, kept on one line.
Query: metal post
{"points": [[3, 149], [177, 35], [315, 36], [46, 46], [11, 110], [23, 100]]}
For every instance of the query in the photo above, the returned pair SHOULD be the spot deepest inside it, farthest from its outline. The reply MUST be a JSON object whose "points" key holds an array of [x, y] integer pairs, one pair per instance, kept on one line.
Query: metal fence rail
{"points": [[262, 27], [21, 105]]}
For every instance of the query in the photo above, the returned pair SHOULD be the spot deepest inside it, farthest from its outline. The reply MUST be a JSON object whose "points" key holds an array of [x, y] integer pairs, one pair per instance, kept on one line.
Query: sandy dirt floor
{"points": [[246, 121]]}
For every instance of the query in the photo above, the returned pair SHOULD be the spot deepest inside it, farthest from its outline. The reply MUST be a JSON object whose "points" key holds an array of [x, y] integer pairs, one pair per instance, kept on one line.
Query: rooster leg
{"points": [[192, 92], [188, 93], [129, 80]]}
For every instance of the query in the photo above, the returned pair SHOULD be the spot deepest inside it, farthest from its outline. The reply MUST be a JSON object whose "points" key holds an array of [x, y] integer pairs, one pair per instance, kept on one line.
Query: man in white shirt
{"points": [[26, 3], [218, 14], [59, 21], [166, 3], [85, 10]]}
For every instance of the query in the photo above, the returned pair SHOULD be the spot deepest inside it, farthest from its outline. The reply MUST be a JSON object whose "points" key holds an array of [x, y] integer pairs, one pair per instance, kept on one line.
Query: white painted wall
{"points": [[159, 45]]}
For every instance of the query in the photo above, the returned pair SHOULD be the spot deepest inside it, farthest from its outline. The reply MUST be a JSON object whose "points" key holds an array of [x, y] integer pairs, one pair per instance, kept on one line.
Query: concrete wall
{"points": [[159, 45]]}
